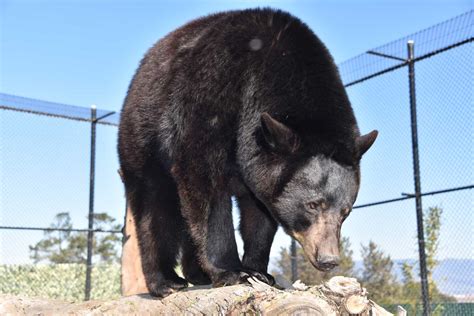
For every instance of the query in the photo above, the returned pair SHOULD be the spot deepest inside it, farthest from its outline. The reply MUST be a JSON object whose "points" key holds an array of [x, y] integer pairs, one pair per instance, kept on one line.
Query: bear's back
{"points": [[230, 67], [234, 46]]}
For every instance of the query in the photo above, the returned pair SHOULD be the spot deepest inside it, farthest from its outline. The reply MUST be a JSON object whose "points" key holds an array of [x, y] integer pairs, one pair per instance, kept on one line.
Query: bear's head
{"points": [[312, 201]]}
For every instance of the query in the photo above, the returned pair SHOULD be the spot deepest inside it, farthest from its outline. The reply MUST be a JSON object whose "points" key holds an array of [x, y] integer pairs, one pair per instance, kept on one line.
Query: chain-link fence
{"points": [[422, 106], [45, 181], [425, 125]]}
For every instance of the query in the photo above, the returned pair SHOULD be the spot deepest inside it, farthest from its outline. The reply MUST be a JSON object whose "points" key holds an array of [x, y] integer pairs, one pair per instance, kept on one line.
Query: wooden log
{"points": [[133, 280], [256, 298]]}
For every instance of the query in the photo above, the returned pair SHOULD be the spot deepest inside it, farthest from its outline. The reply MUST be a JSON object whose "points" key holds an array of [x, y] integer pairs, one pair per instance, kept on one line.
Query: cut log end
{"points": [[356, 304]]}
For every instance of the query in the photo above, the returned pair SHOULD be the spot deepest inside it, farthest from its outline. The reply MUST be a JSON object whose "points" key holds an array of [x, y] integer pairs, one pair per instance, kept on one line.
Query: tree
{"points": [[377, 274], [432, 225], [64, 246], [106, 244], [306, 271], [411, 290], [53, 246]]}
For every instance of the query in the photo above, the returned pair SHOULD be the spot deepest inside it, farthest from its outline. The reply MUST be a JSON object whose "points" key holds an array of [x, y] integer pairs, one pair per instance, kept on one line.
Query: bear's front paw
{"points": [[163, 289]]}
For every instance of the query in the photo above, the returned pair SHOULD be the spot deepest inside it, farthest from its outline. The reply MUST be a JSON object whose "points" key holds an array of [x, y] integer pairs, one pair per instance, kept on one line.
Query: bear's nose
{"points": [[327, 262]]}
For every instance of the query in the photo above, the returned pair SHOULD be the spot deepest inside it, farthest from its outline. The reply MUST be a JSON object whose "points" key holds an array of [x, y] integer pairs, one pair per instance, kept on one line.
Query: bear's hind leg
{"points": [[160, 226]]}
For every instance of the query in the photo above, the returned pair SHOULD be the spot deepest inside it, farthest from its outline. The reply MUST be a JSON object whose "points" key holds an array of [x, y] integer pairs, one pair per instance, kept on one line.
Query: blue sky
{"points": [[85, 52]]}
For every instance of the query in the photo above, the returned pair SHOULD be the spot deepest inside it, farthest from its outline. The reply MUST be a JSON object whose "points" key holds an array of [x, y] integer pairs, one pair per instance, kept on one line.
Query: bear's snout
{"points": [[321, 245]]}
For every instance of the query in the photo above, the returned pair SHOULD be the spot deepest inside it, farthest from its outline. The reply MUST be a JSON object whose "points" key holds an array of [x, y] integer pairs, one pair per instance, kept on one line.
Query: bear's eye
{"points": [[313, 205], [321, 205]]}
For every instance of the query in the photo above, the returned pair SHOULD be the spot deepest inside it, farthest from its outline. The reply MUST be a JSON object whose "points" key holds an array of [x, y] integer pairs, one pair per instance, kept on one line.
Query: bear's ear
{"points": [[277, 135], [364, 142]]}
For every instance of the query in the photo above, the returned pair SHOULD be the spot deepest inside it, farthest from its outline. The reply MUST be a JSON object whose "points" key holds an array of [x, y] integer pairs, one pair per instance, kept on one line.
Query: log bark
{"points": [[331, 298]]}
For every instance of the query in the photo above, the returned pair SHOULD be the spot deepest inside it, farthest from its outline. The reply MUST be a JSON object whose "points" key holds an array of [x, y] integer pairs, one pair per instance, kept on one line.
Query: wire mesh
{"points": [[428, 41], [44, 167], [28, 105], [40, 153], [444, 91]]}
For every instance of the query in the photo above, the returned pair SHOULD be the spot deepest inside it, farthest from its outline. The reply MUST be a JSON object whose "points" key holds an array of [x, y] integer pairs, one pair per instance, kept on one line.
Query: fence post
{"points": [[90, 233], [294, 262], [416, 176]]}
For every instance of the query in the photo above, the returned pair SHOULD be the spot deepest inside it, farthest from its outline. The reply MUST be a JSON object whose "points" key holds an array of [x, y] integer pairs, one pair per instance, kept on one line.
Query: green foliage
{"points": [[411, 289], [377, 275], [60, 281], [71, 247], [432, 226], [387, 290], [306, 271]]}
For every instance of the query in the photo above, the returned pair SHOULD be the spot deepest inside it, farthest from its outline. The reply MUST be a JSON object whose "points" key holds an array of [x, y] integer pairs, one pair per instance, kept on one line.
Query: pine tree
{"points": [[377, 274], [71, 247], [411, 287]]}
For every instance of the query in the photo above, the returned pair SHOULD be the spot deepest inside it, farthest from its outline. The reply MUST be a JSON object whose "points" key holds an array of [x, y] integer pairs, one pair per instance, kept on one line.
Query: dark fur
{"points": [[192, 135]]}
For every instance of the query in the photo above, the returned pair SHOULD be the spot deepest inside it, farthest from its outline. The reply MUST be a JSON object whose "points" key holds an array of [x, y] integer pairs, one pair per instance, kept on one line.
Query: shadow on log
{"points": [[338, 296]]}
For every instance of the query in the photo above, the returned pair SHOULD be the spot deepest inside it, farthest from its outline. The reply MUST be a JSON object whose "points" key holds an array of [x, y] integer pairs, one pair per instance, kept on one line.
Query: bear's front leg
{"points": [[207, 209], [212, 231], [222, 251], [220, 246], [258, 229]]}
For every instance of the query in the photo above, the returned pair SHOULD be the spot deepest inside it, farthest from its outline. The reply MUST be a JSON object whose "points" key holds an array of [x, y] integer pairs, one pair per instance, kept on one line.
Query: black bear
{"points": [[246, 104]]}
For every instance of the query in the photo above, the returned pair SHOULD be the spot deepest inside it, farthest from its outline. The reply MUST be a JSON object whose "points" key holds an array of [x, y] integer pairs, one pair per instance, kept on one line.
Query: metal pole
{"points": [[416, 176], [294, 262], [90, 233]]}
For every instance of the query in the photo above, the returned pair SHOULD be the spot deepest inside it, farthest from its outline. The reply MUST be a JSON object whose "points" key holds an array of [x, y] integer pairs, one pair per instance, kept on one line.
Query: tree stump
{"points": [[338, 296]]}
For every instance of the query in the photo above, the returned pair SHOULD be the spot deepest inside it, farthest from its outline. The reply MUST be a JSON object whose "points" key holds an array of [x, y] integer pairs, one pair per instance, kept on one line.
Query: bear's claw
{"points": [[163, 289], [262, 276]]}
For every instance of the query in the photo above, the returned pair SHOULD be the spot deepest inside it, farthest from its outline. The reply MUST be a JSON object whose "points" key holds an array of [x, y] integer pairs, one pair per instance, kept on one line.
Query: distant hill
{"points": [[452, 276], [455, 276]]}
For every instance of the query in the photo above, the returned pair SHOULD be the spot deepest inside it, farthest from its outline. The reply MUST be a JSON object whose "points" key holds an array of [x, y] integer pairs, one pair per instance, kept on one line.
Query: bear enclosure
{"points": [[58, 164]]}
